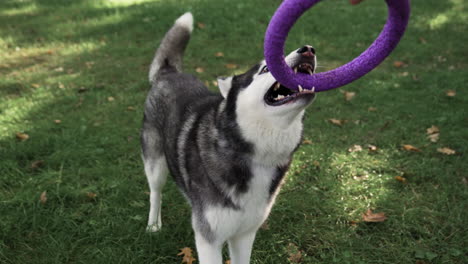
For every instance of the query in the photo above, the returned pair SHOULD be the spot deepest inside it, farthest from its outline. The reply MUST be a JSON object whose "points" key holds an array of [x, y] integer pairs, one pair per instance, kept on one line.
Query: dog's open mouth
{"points": [[278, 94]]}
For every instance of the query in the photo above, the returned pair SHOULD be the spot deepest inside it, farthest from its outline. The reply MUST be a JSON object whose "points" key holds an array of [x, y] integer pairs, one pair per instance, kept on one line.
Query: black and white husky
{"points": [[228, 152]]}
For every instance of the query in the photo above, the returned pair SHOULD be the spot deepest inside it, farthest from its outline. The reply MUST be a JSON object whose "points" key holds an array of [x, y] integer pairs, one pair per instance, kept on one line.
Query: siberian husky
{"points": [[227, 152]]}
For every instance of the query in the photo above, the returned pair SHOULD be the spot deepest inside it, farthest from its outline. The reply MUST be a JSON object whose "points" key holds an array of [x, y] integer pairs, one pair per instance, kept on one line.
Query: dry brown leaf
{"points": [[231, 66], [57, 121], [400, 179], [355, 148], [219, 54], [372, 109], [433, 129], [110, 99], [43, 197], [186, 254], [369, 216], [450, 93], [337, 121], [22, 136], [411, 148], [36, 85], [372, 148], [398, 64], [61, 86], [37, 164], [91, 195], [201, 25], [199, 70], [307, 142], [433, 137], [316, 164], [446, 151], [295, 255], [130, 108], [349, 95]]}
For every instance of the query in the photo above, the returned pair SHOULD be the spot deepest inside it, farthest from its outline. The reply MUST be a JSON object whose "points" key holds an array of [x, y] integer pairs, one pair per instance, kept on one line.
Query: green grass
{"points": [[62, 60]]}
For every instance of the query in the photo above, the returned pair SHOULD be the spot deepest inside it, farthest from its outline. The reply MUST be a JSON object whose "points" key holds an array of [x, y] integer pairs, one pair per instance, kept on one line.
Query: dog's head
{"points": [[256, 92]]}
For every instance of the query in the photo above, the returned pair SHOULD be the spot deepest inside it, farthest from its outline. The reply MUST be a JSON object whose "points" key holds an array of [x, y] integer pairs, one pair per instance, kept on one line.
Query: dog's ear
{"points": [[224, 85]]}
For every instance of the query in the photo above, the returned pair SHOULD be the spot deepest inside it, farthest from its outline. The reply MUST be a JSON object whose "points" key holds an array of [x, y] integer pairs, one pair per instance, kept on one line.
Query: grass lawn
{"points": [[73, 77]]}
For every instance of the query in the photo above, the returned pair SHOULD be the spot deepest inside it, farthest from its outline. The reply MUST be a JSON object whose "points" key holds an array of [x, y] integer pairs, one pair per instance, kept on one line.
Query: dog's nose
{"points": [[307, 51]]}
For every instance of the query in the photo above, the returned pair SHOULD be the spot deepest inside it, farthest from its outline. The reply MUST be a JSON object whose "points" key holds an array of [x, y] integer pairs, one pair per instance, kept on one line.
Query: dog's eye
{"points": [[264, 70]]}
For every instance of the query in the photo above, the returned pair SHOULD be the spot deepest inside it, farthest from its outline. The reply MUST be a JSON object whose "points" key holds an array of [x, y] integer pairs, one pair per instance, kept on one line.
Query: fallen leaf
{"points": [[59, 69], [36, 85], [372, 148], [307, 142], [201, 25], [433, 129], [22, 136], [349, 95], [231, 66], [37, 164], [57, 121], [50, 52], [219, 54], [353, 223], [400, 179], [43, 197], [446, 151], [295, 255], [110, 99], [61, 86], [199, 70], [450, 93], [355, 148], [433, 137], [186, 254], [130, 108], [398, 64], [411, 148], [91, 195], [372, 109], [337, 121], [369, 216]]}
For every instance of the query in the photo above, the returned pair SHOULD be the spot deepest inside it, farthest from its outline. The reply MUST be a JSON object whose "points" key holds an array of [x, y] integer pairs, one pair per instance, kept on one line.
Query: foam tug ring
{"points": [[288, 13]]}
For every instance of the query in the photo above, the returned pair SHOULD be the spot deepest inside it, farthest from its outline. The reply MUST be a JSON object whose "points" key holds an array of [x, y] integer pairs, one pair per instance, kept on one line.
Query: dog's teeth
{"points": [[280, 97], [295, 70], [313, 89], [310, 71], [300, 88]]}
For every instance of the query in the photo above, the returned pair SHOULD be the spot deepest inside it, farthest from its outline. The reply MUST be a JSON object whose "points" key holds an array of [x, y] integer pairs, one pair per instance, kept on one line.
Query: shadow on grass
{"points": [[104, 53]]}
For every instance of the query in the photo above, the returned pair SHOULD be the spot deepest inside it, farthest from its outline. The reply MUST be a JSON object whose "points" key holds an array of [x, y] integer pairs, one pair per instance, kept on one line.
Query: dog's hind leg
{"points": [[156, 173], [240, 248]]}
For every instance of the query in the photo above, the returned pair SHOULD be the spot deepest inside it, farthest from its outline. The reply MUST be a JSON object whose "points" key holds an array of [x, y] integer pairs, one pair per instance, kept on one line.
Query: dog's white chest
{"points": [[254, 206]]}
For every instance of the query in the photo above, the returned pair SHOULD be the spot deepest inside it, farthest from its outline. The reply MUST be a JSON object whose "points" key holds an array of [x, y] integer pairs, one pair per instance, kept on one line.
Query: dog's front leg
{"points": [[240, 248], [208, 252]]}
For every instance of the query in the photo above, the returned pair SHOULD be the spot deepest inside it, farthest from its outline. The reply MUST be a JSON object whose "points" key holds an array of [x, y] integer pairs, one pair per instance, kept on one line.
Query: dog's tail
{"points": [[171, 50]]}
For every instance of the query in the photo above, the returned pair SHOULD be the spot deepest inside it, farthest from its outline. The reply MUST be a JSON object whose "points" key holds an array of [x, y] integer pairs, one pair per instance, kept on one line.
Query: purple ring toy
{"points": [[285, 17]]}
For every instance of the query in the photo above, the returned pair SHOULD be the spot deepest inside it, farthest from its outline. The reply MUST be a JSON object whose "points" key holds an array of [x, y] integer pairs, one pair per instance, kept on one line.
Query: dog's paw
{"points": [[153, 228]]}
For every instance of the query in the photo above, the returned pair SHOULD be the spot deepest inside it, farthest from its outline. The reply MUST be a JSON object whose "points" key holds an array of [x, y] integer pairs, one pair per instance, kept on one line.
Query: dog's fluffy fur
{"points": [[228, 152]]}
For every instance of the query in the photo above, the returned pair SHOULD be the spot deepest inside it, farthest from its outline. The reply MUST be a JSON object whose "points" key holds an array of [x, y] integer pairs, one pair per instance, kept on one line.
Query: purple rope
{"points": [[285, 17]]}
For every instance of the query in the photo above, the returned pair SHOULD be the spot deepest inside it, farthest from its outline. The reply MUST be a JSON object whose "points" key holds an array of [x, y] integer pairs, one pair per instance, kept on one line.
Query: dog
{"points": [[228, 152]]}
